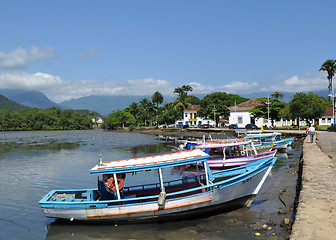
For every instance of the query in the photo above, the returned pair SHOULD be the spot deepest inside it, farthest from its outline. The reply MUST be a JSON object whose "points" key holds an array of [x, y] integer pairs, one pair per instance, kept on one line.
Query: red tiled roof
{"points": [[247, 105], [193, 108]]}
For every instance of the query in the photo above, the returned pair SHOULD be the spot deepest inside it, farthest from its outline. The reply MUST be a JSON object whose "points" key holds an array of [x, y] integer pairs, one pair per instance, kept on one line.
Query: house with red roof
{"points": [[240, 115]]}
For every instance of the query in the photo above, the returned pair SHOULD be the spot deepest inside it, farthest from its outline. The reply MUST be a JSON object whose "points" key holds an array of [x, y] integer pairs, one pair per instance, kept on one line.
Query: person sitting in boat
{"points": [[110, 183]]}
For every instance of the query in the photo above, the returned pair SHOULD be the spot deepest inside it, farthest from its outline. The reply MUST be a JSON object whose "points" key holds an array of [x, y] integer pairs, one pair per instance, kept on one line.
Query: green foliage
{"points": [[157, 98], [277, 95], [275, 106], [31, 119], [118, 119], [215, 104], [330, 67], [308, 106], [182, 102], [235, 99], [193, 100]]}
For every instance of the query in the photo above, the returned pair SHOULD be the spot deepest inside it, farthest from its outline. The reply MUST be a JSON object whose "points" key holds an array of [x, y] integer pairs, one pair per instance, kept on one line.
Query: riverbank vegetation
{"points": [[30, 119], [149, 113]]}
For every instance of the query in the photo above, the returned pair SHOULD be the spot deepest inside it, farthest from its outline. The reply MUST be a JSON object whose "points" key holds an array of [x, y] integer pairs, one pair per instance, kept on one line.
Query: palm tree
{"points": [[277, 95], [186, 89], [157, 98], [182, 100], [330, 67]]}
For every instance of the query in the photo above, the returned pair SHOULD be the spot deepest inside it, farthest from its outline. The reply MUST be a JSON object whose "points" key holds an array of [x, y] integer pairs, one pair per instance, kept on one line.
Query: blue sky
{"points": [[72, 49]]}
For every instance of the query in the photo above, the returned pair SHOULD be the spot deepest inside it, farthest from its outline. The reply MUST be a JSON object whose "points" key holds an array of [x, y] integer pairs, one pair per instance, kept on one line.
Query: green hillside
{"points": [[11, 105]]}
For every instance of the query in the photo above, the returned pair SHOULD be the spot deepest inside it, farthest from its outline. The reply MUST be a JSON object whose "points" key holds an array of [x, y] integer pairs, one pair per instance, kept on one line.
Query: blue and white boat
{"points": [[273, 138], [200, 192]]}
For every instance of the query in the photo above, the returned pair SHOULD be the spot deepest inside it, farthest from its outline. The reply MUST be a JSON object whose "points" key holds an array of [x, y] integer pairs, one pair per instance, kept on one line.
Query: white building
{"points": [[97, 120], [241, 116], [326, 119], [191, 118]]}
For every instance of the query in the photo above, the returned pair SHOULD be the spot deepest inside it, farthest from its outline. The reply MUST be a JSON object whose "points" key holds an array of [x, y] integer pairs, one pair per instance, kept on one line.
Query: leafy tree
{"points": [[330, 67], [273, 110], [157, 98], [236, 99], [118, 119], [285, 112], [308, 106], [193, 100], [215, 104]]}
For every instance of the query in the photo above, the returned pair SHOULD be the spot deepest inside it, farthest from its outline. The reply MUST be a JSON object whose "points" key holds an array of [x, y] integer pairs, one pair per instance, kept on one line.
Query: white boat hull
{"points": [[223, 197]]}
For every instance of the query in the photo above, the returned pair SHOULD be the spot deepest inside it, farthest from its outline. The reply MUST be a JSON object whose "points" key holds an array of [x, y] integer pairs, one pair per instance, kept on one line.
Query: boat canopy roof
{"points": [[150, 162], [223, 144], [263, 135]]}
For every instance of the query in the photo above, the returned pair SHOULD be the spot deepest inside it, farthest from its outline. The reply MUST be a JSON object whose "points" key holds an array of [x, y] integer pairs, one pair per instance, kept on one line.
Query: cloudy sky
{"points": [[70, 49]]}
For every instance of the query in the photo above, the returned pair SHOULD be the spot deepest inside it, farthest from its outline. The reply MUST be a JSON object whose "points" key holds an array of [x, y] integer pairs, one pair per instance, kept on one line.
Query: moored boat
{"points": [[234, 153], [162, 200], [271, 138]]}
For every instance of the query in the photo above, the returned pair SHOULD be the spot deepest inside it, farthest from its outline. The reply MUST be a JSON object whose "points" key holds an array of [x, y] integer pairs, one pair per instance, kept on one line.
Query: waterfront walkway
{"points": [[316, 213]]}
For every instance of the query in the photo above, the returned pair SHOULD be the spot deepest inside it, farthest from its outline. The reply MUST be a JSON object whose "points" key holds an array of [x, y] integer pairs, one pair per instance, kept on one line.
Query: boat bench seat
{"points": [[155, 192]]}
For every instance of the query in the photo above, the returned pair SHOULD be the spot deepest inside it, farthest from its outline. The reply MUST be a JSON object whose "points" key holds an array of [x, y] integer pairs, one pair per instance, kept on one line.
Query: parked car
{"points": [[251, 126], [332, 128], [171, 125], [233, 126], [205, 126]]}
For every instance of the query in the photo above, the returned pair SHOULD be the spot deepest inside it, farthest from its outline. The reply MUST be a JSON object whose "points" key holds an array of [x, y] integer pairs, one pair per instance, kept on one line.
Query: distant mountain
{"points": [[11, 105], [34, 99]]}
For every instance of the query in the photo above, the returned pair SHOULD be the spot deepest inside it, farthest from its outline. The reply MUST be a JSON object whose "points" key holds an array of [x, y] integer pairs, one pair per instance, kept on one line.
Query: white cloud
{"points": [[60, 90], [37, 81], [20, 58], [300, 83]]}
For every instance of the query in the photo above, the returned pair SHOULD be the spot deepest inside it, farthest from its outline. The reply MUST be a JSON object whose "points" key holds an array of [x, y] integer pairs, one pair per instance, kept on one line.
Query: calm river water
{"points": [[33, 163]]}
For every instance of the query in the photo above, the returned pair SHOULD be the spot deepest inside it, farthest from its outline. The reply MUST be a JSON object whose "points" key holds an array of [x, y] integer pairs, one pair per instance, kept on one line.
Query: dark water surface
{"points": [[33, 163]]}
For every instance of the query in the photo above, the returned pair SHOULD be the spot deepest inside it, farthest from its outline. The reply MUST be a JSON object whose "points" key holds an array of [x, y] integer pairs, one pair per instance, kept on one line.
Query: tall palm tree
{"points": [[277, 95], [157, 98], [330, 67], [182, 100]]}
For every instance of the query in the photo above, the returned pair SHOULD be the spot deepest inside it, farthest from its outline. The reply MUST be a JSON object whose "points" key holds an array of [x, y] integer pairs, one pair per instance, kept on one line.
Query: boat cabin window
{"points": [[216, 152]]}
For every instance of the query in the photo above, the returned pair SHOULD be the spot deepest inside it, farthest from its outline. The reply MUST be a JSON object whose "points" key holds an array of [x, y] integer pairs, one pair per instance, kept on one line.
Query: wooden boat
{"points": [[188, 196], [259, 147], [229, 154], [274, 138]]}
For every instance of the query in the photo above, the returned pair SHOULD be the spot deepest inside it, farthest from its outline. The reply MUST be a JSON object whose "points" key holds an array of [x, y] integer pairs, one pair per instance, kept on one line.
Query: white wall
{"points": [[246, 118], [326, 120], [240, 118]]}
